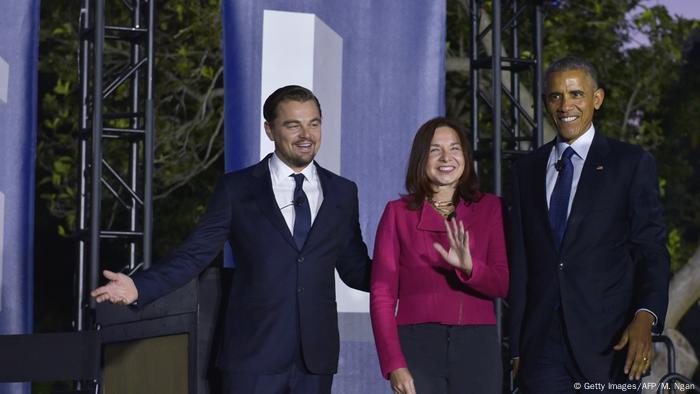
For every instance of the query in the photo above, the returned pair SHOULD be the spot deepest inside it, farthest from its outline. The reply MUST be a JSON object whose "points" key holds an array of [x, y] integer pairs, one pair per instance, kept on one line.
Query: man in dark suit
{"points": [[589, 265], [290, 223]]}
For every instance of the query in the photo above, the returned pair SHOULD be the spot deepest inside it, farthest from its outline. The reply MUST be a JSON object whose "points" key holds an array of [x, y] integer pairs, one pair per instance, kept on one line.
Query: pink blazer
{"points": [[406, 268]]}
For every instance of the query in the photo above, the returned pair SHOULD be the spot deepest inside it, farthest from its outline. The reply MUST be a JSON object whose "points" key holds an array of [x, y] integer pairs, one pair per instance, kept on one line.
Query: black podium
{"points": [[167, 346]]}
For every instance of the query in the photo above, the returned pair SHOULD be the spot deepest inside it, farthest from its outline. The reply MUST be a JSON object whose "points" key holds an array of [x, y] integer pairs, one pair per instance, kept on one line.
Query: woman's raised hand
{"points": [[459, 255]]}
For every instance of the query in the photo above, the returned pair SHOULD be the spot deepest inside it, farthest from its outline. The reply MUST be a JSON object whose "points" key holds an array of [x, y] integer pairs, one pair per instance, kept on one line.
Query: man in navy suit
{"points": [[290, 223], [589, 265]]}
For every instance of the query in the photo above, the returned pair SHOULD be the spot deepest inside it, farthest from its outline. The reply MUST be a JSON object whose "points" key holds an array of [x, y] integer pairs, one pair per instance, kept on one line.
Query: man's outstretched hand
{"points": [[120, 289]]}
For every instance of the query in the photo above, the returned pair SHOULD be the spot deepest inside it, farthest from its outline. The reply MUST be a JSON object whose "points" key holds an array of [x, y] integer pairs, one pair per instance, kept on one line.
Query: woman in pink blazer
{"points": [[440, 254]]}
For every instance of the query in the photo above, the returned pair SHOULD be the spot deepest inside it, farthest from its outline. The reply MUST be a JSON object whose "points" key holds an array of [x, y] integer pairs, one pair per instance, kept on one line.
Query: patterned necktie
{"points": [[559, 201], [302, 212]]}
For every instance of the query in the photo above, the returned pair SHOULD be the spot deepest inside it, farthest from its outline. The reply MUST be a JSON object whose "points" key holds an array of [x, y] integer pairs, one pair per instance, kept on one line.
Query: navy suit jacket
{"points": [[281, 297], [613, 258]]}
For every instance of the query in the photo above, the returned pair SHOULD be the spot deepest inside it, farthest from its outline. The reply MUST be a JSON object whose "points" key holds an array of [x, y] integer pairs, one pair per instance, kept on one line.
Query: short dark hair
{"points": [[569, 63], [418, 185], [289, 92]]}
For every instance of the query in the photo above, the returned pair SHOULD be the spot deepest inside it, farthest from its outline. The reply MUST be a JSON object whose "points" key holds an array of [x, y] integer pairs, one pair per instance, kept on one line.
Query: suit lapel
{"points": [[329, 207], [265, 198], [589, 187]]}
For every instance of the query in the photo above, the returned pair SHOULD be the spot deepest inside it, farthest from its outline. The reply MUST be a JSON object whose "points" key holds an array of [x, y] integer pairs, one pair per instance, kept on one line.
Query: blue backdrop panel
{"points": [[19, 29], [392, 82]]}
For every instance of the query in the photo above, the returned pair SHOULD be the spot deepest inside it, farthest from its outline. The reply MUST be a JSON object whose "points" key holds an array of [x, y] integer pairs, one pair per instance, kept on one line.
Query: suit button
{"points": [[561, 266], [300, 259], [300, 289]]}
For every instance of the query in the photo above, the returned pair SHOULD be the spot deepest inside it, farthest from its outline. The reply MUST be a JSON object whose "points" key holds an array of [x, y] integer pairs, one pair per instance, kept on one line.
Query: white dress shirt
{"points": [[283, 186], [581, 147]]}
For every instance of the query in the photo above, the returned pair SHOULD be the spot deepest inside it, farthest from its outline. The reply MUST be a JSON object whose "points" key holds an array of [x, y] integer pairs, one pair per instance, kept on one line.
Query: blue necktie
{"points": [[559, 201], [302, 212]]}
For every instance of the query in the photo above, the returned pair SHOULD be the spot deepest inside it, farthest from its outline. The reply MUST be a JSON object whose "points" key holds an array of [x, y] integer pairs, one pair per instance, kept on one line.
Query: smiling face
{"points": [[571, 98], [445, 163], [296, 132]]}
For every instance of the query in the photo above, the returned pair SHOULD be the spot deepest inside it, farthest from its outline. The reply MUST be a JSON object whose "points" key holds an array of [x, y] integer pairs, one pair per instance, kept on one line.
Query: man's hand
{"points": [[640, 351], [401, 381], [459, 255], [120, 289]]}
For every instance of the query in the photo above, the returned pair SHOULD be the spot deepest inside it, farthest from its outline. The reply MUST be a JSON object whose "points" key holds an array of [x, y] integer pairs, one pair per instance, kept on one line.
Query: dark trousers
{"points": [[453, 359], [293, 381], [554, 369], [297, 379]]}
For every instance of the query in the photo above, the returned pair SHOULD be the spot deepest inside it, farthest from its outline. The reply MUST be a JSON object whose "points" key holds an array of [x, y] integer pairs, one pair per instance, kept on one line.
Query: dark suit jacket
{"points": [[281, 297], [613, 258]]}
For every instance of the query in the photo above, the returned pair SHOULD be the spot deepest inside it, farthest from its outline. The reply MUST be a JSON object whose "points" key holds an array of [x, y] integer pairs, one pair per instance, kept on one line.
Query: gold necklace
{"points": [[445, 208]]}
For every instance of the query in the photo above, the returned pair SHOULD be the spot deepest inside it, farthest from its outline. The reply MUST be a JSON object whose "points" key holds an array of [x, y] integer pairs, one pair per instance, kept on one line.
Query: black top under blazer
{"points": [[281, 297], [613, 258]]}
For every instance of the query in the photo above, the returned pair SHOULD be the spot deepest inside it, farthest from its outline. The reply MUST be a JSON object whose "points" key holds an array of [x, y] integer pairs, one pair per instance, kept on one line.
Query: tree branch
{"points": [[630, 107], [684, 291]]}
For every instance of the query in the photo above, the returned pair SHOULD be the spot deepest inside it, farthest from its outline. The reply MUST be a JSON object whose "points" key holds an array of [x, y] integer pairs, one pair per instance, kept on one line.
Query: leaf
{"points": [[62, 87], [52, 123], [180, 12], [63, 165], [207, 72]]}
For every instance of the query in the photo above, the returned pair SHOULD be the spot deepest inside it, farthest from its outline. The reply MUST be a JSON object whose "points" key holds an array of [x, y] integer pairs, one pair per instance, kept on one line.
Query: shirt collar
{"points": [[581, 146], [280, 172]]}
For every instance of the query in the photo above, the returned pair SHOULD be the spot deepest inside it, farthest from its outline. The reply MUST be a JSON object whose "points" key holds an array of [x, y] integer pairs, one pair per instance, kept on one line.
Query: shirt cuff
{"points": [[656, 319]]}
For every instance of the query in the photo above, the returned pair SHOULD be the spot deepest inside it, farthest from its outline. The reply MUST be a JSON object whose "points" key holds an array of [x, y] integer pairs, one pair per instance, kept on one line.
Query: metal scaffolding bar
{"points": [[501, 127], [500, 124], [130, 153]]}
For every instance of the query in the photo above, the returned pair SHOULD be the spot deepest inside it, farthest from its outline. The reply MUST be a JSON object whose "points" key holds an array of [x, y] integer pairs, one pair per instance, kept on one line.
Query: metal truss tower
{"points": [[116, 143], [506, 80], [506, 107]]}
